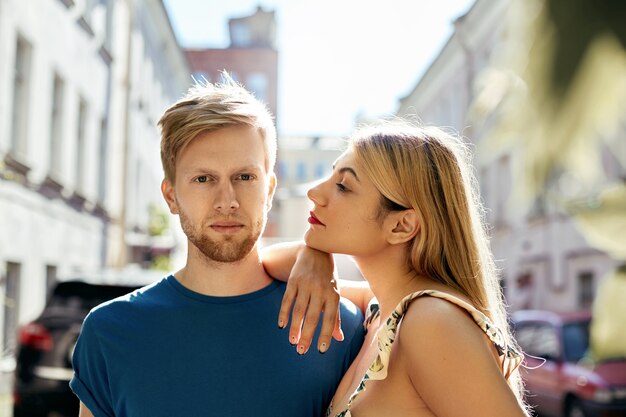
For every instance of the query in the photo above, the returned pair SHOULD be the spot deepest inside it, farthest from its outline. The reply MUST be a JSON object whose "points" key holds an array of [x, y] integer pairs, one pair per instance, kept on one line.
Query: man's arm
{"points": [[84, 411]]}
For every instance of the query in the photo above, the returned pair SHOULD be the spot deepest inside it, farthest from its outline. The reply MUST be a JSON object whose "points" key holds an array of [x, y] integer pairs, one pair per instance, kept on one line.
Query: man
{"points": [[204, 341]]}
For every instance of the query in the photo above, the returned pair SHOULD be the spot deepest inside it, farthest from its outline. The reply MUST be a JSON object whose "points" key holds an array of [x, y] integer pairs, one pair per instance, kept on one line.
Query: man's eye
{"points": [[202, 178], [245, 177]]}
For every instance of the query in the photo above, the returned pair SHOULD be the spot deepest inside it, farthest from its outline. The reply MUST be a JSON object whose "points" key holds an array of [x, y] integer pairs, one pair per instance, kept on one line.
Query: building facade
{"points": [[545, 261], [79, 164]]}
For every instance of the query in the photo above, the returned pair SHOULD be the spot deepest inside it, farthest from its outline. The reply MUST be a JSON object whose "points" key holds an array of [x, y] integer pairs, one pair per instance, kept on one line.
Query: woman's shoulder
{"points": [[439, 322]]}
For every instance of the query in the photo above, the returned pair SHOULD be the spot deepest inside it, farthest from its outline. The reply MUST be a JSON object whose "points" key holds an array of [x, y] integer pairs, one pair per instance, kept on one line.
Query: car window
{"points": [[538, 339], [575, 340]]}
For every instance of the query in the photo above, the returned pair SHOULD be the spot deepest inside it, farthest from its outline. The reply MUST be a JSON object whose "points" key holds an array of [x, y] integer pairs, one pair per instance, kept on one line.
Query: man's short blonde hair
{"points": [[208, 107]]}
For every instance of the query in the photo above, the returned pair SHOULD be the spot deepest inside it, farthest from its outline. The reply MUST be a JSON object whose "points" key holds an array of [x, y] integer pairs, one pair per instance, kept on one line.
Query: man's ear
{"points": [[271, 190], [402, 226], [168, 194]]}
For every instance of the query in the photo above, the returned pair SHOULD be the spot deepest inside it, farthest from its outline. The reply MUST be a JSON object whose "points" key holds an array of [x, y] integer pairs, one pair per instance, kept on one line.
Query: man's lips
{"points": [[227, 227], [314, 220]]}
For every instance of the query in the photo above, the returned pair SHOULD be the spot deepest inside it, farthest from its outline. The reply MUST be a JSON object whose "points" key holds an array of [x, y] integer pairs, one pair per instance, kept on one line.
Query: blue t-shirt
{"points": [[165, 350]]}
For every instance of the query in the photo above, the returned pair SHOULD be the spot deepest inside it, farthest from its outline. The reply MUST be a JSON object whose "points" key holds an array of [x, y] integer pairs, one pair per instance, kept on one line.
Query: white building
{"points": [[545, 261], [79, 164]]}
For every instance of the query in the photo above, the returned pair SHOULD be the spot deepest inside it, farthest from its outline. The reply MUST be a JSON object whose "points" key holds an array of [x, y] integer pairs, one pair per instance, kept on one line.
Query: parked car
{"points": [[44, 355], [569, 383]]}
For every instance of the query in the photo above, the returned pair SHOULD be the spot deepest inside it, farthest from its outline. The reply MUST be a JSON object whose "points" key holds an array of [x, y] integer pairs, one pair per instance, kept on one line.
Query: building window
{"points": [[503, 184], [320, 169], [257, 83], [585, 289], [80, 146], [51, 276], [11, 308], [21, 89], [282, 170], [56, 126], [103, 160], [201, 77], [301, 171]]}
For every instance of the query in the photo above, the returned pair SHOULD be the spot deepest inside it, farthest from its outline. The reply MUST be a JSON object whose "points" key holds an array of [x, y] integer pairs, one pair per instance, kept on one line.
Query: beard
{"points": [[229, 248]]}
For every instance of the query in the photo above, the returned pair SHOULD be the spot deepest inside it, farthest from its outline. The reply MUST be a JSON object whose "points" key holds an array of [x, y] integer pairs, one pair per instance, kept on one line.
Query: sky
{"points": [[337, 58]]}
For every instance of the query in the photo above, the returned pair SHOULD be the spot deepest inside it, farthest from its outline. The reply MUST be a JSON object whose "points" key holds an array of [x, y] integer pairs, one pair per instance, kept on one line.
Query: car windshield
{"points": [[575, 340]]}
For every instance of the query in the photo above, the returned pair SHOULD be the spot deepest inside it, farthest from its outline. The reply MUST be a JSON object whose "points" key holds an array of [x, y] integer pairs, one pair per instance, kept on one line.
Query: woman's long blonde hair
{"points": [[429, 170]]}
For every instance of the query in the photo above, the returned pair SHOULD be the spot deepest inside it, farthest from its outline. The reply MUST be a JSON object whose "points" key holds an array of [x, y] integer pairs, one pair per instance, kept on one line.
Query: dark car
{"points": [[569, 383], [44, 355]]}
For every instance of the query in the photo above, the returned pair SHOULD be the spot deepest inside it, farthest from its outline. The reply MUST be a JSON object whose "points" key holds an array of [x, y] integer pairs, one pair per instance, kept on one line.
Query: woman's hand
{"points": [[311, 290]]}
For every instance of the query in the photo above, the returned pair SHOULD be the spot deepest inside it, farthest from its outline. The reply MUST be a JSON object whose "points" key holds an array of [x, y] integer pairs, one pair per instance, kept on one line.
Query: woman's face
{"points": [[345, 215]]}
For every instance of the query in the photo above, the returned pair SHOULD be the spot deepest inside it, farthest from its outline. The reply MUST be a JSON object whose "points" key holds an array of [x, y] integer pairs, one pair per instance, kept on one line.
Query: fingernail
{"points": [[280, 324], [293, 340], [301, 349], [323, 348]]}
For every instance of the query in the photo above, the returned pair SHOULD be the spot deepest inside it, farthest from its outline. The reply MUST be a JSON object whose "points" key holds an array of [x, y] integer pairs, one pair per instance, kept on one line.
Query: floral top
{"points": [[511, 357]]}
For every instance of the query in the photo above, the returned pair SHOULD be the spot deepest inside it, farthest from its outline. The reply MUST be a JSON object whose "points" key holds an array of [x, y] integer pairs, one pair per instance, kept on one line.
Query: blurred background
{"points": [[537, 87]]}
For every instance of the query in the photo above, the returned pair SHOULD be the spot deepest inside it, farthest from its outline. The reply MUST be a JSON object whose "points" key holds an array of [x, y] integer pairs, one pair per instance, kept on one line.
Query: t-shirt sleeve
{"points": [[90, 382]]}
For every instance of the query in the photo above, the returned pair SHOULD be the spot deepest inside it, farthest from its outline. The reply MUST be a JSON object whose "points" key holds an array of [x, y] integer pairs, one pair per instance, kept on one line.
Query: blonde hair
{"points": [[208, 107], [429, 170]]}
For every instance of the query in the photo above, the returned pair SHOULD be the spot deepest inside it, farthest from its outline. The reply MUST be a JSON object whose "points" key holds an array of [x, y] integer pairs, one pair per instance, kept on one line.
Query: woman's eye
{"points": [[342, 188], [202, 178]]}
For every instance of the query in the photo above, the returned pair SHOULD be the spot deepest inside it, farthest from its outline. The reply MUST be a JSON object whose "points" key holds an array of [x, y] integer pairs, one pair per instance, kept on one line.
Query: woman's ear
{"points": [[402, 227]]}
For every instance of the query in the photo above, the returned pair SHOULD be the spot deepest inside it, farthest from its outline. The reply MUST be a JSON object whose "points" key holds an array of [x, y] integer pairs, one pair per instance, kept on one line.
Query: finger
{"points": [[285, 306], [313, 312], [337, 332], [328, 325], [297, 315]]}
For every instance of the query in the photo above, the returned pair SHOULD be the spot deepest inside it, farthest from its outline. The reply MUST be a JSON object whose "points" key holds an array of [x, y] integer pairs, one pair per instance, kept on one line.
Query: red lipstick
{"points": [[314, 220]]}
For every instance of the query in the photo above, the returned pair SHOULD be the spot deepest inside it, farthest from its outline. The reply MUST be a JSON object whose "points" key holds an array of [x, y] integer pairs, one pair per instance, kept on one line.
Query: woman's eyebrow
{"points": [[347, 169]]}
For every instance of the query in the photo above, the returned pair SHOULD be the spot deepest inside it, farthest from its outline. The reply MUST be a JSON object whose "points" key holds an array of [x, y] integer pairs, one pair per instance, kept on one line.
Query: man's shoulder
{"points": [[136, 298], [351, 315]]}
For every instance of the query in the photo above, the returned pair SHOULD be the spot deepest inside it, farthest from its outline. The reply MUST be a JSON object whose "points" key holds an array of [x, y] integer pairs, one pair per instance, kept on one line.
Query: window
{"points": [[56, 126], [585, 289], [301, 171], [11, 308], [103, 160], [21, 89], [51, 276], [257, 83], [80, 146], [575, 340], [282, 170], [320, 169], [503, 184], [538, 340]]}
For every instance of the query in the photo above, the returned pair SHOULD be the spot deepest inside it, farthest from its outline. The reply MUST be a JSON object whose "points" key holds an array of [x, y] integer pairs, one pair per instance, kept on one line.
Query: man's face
{"points": [[222, 192]]}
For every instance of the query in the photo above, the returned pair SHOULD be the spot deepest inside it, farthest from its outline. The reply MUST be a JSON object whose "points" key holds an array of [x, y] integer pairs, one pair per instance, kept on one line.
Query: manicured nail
{"points": [[323, 348], [281, 324], [293, 340], [301, 350]]}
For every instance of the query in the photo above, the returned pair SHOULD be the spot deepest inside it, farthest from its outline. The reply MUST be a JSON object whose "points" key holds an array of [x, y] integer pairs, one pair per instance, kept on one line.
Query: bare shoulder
{"points": [[434, 325]]}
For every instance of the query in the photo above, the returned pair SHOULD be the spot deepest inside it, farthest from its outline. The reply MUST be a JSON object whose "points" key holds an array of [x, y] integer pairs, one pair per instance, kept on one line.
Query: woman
{"points": [[401, 201]]}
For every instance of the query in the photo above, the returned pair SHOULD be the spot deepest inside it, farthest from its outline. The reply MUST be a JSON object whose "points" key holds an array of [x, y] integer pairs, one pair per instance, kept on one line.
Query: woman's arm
{"points": [[311, 290]]}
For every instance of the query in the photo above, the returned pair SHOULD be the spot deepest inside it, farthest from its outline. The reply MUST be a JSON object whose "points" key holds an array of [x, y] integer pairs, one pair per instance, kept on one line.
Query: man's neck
{"points": [[223, 279]]}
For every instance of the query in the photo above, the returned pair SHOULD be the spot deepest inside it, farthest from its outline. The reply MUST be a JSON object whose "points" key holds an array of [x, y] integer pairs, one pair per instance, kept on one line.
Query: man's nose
{"points": [[226, 198]]}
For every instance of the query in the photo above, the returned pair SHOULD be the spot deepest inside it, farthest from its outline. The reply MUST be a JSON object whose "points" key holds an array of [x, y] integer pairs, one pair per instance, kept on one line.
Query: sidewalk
{"points": [[6, 389]]}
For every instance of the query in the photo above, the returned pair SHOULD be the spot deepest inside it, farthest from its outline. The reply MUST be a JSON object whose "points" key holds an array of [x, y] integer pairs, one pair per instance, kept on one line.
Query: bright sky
{"points": [[337, 58]]}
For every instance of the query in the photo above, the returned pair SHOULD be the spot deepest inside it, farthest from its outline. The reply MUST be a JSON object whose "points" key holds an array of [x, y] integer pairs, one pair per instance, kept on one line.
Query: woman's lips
{"points": [[314, 220]]}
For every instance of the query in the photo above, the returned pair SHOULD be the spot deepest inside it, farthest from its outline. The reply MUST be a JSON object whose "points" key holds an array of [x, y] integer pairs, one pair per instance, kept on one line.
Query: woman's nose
{"points": [[315, 194]]}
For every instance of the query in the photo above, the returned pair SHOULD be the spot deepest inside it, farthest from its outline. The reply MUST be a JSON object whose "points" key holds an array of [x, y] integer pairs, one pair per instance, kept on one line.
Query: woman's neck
{"points": [[391, 279]]}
